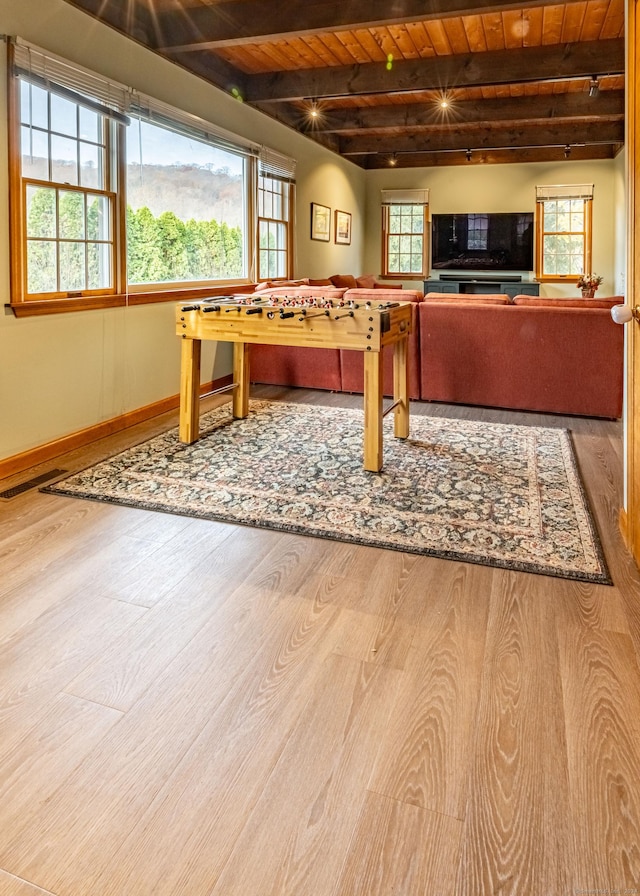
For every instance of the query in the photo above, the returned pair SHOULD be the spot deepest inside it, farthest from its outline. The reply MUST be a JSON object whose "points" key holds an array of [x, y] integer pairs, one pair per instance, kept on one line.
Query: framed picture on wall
{"points": [[320, 222], [342, 229]]}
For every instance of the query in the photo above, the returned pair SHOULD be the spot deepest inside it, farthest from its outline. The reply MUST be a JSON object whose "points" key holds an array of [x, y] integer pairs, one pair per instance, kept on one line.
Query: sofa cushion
{"points": [[456, 299], [444, 299], [268, 284], [366, 281], [325, 282], [548, 302], [344, 280], [304, 292], [381, 295], [387, 286]]}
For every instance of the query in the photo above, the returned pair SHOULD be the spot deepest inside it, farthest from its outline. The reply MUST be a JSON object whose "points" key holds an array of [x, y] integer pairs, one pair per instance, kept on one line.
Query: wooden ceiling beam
{"points": [[239, 22], [489, 156], [552, 62], [133, 19], [487, 137], [529, 128], [213, 69], [609, 104]]}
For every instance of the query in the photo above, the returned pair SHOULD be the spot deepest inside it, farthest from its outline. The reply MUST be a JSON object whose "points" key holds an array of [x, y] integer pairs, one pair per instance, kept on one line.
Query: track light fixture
{"points": [[468, 155], [594, 86], [312, 111], [393, 159], [443, 99], [567, 151]]}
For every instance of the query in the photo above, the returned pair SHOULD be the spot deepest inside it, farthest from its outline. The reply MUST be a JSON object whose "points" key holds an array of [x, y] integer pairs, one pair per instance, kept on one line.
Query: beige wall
{"points": [[506, 188], [64, 373]]}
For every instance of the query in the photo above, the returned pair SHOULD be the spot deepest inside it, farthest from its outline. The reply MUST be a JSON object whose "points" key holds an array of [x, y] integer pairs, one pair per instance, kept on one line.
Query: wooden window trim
{"points": [[288, 224], [55, 303], [36, 307], [540, 232], [119, 295], [112, 198], [410, 275]]}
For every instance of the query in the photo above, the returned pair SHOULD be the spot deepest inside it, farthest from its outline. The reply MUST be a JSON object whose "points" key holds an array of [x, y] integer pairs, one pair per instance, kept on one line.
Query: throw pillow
{"points": [[346, 281], [366, 281]]}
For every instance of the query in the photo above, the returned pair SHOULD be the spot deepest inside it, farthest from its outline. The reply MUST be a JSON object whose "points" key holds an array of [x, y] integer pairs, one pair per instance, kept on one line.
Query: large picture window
{"points": [[186, 208], [405, 241], [563, 231]]}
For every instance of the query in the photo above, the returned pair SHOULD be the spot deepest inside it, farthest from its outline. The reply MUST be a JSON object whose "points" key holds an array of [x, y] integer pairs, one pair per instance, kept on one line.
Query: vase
{"points": [[588, 292]]}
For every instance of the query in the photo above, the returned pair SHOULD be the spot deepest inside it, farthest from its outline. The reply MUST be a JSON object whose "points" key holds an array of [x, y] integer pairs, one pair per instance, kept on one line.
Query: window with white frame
{"points": [[405, 244], [563, 231]]}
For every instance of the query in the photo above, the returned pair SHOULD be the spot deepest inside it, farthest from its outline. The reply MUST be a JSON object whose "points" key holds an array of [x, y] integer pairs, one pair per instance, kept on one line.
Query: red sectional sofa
{"points": [[334, 369], [530, 353]]}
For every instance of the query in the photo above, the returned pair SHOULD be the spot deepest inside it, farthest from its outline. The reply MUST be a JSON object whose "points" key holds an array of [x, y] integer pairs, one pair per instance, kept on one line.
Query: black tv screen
{"points": [[496, 241]]}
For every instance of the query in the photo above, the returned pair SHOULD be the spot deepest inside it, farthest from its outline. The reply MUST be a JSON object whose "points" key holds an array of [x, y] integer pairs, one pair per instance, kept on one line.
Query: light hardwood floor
{"points": [[198, 709]]}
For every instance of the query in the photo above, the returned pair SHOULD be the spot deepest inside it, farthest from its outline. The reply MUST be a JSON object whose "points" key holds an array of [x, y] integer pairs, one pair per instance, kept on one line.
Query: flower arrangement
{"points": [[589, 281]]}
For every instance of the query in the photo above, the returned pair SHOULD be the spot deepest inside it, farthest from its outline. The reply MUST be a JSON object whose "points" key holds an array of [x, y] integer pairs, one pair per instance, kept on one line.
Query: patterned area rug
{"points": [[496, 494]]}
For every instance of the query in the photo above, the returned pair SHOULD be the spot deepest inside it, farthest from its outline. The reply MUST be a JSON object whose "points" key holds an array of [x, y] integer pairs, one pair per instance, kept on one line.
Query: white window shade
{"points": [[117, 100], [564, 191], [67, 79], [157, 112], [273, 164], [405, 197]]}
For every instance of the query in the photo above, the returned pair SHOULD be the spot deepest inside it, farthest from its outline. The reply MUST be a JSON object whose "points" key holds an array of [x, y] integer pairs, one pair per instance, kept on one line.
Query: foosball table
{"points": [[313, 323]]}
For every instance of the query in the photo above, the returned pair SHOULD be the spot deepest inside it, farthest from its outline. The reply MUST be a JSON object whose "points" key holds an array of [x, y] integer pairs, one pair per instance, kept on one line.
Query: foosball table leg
{"points": [[373, 411], [190, 391], [401, 389], [240, 400]]}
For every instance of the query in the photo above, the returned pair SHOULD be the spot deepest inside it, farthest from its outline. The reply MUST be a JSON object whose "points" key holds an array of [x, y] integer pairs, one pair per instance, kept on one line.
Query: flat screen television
{"points": [[495, 241]]}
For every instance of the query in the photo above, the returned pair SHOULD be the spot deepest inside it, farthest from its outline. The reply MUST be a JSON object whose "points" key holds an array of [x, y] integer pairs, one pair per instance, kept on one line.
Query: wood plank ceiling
{"points": [[522, 82]]}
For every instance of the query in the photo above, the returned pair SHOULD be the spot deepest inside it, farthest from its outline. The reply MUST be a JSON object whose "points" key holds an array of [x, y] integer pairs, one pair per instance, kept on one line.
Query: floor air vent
{"points": [[16, 490]]}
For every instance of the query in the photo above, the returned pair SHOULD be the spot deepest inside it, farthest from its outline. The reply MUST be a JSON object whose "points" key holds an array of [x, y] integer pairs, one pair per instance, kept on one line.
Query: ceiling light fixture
{"points": [[468, 155], [393, 159], [567, 151], [594, 86]]}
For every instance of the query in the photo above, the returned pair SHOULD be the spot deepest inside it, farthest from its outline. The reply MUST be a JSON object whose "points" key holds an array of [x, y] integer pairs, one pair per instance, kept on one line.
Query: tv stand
{"points": [[511, 285]]}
